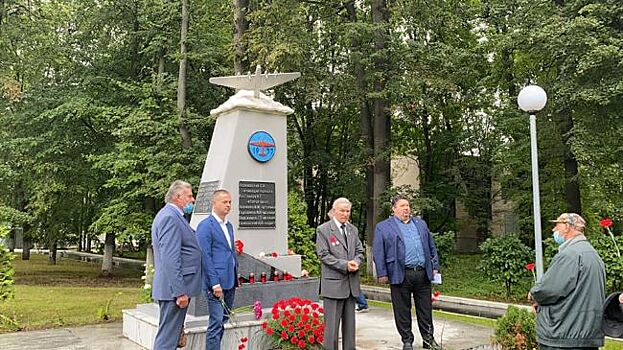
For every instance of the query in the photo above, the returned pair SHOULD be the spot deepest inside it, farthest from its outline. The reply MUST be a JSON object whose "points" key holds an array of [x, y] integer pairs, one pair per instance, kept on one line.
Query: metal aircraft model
{"points": [[255, 82]]}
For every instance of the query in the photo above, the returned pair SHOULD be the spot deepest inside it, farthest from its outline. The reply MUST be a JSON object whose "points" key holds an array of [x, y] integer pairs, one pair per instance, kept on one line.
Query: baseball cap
{"points": [[572, 219]]}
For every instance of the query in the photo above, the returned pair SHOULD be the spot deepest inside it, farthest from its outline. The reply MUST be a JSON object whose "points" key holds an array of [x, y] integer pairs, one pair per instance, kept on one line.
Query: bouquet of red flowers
{"points": [[296, 324]]}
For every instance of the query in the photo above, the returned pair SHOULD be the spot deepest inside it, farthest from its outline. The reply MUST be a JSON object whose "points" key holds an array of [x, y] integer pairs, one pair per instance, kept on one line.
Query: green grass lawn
{"points": [[463, 278], [68, 293]]}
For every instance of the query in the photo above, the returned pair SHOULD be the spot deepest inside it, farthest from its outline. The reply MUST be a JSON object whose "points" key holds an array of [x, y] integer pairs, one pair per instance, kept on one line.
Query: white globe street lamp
{"points": [[532, 99]]}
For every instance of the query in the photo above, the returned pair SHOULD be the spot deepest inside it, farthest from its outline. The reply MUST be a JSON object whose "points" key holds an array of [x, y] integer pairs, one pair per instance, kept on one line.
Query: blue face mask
{"points": [[558, 238], [188, 209]]}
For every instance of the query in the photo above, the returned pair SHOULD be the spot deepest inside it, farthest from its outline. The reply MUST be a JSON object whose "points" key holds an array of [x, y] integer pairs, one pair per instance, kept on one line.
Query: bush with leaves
{"points": [[301, 235], [516, 330], [505, 259], [6, 270], [444, 242], [604, 246]]}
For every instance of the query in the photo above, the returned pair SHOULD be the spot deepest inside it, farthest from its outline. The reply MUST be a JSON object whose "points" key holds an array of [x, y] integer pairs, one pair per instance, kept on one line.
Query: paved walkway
{"points": [[375, 331]]}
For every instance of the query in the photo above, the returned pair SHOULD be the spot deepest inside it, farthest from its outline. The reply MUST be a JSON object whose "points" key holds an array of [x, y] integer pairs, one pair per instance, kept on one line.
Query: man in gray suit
{"points": [[340, 252], [178, 264]]}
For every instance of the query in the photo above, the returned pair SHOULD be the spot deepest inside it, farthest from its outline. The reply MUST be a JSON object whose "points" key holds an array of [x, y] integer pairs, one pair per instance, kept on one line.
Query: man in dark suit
{"points": [[340, 252], [216, 238], [405, 256], [178, 264]]}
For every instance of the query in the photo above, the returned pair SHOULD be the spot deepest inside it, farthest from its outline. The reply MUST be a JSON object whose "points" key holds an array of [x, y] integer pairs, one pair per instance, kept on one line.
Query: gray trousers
{"points": [[336, 310], [169, 325]]}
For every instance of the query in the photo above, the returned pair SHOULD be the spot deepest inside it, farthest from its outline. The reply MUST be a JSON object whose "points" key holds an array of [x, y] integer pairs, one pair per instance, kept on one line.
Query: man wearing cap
{"points": [[568, 298]]}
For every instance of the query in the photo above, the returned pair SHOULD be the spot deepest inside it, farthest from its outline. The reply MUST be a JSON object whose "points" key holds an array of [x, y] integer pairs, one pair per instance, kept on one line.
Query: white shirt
{"points": [[339, 227], [223, 224]]}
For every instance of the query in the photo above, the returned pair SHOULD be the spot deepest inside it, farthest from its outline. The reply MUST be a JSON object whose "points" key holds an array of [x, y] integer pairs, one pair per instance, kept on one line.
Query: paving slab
{"points": [[376, 330], [96, 337]]}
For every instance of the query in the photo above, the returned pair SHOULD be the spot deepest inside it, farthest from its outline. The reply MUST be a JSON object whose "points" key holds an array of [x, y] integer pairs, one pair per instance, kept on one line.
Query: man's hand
{"points": [[621, 298], [352, 266], [535, 306], [435, 272], [384, 280], [218, 292], [182, 301]]}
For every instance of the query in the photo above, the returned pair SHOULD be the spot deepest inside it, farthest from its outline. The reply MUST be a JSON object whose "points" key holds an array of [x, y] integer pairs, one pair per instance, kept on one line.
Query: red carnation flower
{"points": [[284, 335], [274, 254], [301, 344], [269, 331], [239, 246], [605, 223], [530, 266]]}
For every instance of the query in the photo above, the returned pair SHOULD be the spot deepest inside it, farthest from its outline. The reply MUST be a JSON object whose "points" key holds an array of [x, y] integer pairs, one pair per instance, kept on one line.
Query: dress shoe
{"points": [[431, 344]]}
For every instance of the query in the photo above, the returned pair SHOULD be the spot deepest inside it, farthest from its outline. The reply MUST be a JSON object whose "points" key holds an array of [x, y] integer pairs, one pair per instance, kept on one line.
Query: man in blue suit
{"points": [[216, 238], [178, 264], [405, 256]]}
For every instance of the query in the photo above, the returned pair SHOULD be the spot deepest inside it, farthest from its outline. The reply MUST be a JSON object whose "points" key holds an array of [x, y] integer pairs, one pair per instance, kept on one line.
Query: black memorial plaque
{"points": [[256, 204], [203, 202]]}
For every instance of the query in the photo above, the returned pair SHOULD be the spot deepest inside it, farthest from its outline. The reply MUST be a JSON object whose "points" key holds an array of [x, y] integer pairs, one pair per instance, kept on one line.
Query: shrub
{"points": [[6, 270], [301, 235], [604, 246], [445, 246], [504, 259], [516, 330]]}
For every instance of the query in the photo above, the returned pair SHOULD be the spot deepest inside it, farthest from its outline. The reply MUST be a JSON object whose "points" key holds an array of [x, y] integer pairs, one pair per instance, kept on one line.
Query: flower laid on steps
{"points": [[296, 324], [257, 309]]}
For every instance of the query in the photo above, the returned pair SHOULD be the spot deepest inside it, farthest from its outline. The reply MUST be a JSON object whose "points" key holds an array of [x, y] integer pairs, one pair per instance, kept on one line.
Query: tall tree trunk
{"points": [[52, 250], [181, 81], [109, 248], [572, 185], [367, 135], [241, 63], [382, 120], [11, 240]]}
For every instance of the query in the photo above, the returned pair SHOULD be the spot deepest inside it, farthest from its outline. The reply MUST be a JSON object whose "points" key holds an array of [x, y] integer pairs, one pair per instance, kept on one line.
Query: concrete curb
{"points": [[474, 307]]}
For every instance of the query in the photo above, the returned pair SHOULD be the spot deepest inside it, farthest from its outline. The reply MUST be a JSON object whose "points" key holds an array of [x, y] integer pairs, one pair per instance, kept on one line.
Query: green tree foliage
{"points": [[301, 237], [505, 259], [6, 269]]}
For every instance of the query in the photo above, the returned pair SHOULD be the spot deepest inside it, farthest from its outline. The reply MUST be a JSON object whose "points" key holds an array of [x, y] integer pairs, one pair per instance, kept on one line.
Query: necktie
{"points": [[344, 233]]}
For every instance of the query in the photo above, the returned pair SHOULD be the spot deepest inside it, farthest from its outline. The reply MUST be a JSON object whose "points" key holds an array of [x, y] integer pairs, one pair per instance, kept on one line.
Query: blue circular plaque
{"points": [[261, 146]]}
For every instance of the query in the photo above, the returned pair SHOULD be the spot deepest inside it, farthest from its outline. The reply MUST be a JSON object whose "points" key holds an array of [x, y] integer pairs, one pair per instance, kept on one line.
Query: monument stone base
{"points": [[141, 324]]}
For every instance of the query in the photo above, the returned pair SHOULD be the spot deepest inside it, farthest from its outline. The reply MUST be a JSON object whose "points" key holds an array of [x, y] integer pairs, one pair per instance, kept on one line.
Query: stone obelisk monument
{"points": [[248, 157]]}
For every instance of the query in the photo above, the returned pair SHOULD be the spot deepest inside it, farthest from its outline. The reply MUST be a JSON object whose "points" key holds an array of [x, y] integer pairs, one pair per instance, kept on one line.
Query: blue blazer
{"points": [[177, 256], [220, 264], [389, 250]]}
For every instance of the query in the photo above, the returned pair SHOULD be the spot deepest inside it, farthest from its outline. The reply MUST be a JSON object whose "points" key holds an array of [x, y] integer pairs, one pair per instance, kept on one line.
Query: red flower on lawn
{"points": [[239, 246], [605, 223], [530, 266]]}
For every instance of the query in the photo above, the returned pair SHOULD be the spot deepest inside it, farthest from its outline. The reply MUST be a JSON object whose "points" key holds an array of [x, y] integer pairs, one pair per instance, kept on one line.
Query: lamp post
{"points": [[532, 99]]}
